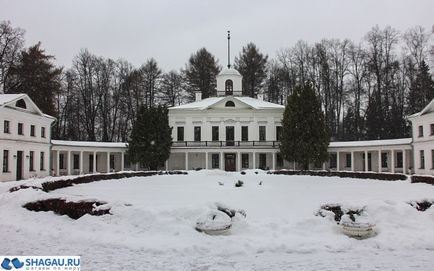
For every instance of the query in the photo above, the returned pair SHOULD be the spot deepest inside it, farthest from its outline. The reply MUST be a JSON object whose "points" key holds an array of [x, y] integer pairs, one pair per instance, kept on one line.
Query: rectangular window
{"points": [[333, 160], [279, 160], [422, 159], [263, 161], [61, 162], [32, 130], [278, 133], [399, 159], [112, 162], [197, 134], [432, 159], [420, 131], [76, 161], [348, 160], [5, 161], [384, 160], [180, 133], [43, 132], [215, 160], [31, 164], [6, 127], [244, 133], [261, 133], [432, 129], [215, 133], [42, 161], [245, 160], [20, 128]]}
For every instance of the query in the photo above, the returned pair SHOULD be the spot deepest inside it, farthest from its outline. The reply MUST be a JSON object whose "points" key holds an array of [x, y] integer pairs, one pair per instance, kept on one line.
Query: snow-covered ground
{"points": [[153, 219]]}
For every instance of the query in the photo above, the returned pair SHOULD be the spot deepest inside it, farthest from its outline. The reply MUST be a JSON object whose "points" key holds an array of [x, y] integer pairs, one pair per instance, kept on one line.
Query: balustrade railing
{"points": [[232, 144]]}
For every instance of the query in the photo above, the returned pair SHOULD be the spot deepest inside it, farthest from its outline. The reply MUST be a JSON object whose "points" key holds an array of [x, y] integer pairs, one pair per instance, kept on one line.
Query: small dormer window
{"points": [[229, 87], [230, 104], [21, 103]]}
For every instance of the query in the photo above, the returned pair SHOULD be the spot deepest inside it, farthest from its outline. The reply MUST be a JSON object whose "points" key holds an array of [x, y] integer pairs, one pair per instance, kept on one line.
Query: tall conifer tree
{"points": [[151, 138], [304, 134]]}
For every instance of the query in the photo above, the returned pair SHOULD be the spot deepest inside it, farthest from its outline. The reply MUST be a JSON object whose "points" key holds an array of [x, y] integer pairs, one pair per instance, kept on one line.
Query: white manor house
{"points": [[228, 132]]}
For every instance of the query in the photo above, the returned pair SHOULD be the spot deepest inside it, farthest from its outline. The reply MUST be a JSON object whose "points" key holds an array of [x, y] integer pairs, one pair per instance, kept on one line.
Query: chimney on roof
{"points": [[260, 97], [198, 96]]}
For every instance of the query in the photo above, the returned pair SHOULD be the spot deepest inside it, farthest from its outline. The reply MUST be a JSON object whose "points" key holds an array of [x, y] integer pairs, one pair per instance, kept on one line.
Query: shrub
{"points": [[239, 183], [344, 174], [422, 179], [74, 210]]}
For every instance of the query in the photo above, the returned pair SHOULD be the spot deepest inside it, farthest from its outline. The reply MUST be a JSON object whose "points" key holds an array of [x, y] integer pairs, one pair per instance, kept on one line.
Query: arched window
{"points": [[230, 104], [21, 103], [229, 87]]}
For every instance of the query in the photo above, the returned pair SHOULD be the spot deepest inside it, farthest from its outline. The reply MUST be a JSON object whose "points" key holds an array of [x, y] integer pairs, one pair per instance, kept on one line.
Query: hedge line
{"points": [[58, 184], [74, 210], [422, 179], [344, 174]]}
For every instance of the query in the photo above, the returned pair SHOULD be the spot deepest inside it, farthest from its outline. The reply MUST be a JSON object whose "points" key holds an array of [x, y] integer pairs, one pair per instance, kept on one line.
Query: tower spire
{"points": [[229, 49]]}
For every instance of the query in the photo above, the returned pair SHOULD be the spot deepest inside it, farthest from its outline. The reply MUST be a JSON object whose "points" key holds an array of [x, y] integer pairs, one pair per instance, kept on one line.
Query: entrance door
{"points": [[19, 165], [230, 161], [229, 135], [262, 161]]}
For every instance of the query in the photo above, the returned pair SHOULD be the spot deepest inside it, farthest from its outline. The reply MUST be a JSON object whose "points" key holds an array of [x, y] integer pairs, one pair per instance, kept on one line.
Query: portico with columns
{"points": [[393, 156], [82, 157]]}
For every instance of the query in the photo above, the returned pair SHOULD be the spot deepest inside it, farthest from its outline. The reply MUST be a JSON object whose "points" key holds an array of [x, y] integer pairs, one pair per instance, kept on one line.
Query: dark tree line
{"points": [[365, 88]]}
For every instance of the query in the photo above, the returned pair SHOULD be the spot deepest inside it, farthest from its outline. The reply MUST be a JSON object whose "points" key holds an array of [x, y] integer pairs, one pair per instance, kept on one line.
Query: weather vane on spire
{"points": [[229, 49]]}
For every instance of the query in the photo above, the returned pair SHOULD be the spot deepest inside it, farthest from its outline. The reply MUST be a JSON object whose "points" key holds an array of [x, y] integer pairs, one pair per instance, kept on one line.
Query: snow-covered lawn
{"points": [[153, 219]]}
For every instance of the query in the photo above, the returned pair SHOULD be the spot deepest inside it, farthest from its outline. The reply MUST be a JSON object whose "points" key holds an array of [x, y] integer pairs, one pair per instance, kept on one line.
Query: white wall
{"points": [[13, 142]]}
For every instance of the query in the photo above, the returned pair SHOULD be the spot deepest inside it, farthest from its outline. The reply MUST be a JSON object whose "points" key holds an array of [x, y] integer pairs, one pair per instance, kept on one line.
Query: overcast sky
{"points": [[170, 31]]}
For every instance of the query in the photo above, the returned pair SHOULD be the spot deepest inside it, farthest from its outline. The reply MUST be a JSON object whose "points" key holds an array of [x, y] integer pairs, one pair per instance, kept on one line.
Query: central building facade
{"points": [[228, 132]]}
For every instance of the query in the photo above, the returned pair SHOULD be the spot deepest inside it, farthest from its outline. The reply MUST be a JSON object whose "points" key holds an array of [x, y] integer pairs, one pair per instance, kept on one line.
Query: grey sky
{"points": [[170, 31]]}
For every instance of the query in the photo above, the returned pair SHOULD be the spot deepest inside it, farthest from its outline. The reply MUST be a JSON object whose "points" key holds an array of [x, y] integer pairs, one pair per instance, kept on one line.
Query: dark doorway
{"points": [[262, 161], [230, 135], [19, 165], [230, 161], [91, 163]]}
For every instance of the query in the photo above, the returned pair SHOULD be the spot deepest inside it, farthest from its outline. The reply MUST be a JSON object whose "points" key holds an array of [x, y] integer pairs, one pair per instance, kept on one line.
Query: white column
{"points": [[274, 160], [404, 166], [293, 165], [122, 161], [366, 161], [94, 161], [167, 165], [392, 166], [206, 160], [108, 162], [352, 161], [379, 161], [186, 161], [338, 161], [58, 163], [254, 160], [81, 166], [69, 165], [324, 166], [222, 166]]}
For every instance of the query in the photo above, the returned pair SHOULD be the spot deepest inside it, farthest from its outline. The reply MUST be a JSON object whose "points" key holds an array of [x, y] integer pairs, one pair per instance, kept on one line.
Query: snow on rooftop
{"points": [[206, 103], [6, 98], [89, 144], [366, 143]]}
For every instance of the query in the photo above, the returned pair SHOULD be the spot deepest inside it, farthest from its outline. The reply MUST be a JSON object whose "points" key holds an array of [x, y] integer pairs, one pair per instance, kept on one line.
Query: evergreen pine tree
{"points": [[252, 66], [421, 90], [38, 77], [305, 137], [151, 137], [200, 74]]}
